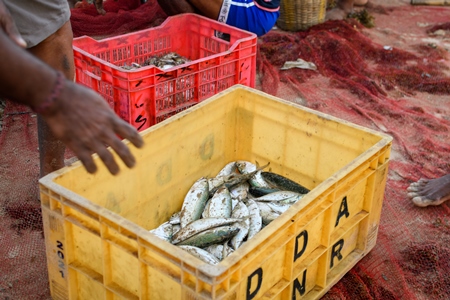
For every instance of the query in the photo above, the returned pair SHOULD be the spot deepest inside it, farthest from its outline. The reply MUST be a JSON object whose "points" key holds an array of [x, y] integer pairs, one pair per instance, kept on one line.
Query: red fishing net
{"points": [[393, 78], [121, 17]]}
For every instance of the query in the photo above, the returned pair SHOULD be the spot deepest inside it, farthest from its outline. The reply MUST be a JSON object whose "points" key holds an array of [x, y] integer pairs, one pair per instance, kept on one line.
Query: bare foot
{"points": [[427, 192], [336, 14], [360, 2], [341, 11]]}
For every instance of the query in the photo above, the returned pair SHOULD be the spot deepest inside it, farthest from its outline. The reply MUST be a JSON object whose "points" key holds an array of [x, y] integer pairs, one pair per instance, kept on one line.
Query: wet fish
{"points": [[235, 179], [283, 183], [230, 168], [240, 212], [267, 214], [222, 213], [240, 191], [211, 236], [255, 218], [227, 250], [246, 167], [216, 250], [260, 191], [201, 225], [175, 218], [201, 254], [175, 229], [277, 207], [281, 197], [164, 231], [205, 213], [220, 204], [194, 202]]}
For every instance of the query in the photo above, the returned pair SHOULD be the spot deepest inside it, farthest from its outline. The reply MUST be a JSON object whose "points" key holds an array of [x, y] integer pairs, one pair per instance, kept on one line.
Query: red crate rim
{"points": [[251, 36]]}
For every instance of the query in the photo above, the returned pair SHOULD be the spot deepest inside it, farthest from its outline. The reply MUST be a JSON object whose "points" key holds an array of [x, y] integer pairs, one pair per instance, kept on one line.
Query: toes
{"points": [[418, 185], [412, 194], [423, 181], [421, 202], [413, 187]]}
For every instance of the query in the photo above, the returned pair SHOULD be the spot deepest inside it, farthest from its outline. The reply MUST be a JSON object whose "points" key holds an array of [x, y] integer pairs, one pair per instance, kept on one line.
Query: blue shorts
{"points": [[244, 14]]}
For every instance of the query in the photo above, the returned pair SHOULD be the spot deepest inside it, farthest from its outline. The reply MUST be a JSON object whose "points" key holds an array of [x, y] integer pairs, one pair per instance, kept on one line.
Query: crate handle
{"points": [[92, 75], [95, 78]]}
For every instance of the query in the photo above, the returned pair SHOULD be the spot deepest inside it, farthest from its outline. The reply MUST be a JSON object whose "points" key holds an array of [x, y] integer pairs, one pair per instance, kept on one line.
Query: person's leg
{"points": [[427, 192], [207, 8], [175, 7], [342, 9], [57, 52], [360, 2]]}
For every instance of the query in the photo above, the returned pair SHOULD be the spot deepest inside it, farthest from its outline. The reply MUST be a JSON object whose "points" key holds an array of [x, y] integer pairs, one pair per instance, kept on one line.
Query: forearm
{"points": [[23, 78]]}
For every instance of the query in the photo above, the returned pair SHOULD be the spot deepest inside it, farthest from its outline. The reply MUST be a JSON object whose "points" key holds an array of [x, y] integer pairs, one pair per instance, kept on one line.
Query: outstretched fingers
{"points": [[126, 131], [84, 154]]}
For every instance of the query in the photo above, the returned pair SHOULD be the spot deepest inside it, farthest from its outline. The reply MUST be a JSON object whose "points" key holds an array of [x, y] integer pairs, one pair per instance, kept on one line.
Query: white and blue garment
{"points": [[257, 16]]}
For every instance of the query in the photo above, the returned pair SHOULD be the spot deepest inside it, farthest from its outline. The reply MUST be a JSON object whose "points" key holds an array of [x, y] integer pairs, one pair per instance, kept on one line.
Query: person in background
{"points": [[427, 192], [343, 8], [41, 77], [257, 16]]}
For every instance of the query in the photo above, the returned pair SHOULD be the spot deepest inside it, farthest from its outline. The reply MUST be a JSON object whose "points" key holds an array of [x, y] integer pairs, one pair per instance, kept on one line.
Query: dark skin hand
{"points": [[96, 127], [79, 117]]}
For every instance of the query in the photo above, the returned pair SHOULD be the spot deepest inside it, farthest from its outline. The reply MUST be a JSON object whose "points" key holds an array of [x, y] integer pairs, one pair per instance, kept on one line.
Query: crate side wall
{"points": [[236, 124]]}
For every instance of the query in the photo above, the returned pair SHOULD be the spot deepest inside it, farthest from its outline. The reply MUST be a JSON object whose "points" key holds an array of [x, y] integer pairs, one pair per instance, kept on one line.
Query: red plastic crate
{"points": [[220, 57]]}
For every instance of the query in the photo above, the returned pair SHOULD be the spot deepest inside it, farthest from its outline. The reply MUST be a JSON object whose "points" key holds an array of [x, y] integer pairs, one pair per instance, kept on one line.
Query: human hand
{"points": [[82, 120], [9, 27]]}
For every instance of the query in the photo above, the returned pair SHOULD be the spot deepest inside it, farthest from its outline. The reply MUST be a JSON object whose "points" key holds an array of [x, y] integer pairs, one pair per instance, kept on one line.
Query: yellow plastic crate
{"points": [[96, 226]]}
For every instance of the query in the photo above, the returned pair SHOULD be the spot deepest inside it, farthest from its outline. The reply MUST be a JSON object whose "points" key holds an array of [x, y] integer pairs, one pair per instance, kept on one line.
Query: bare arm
{"points": [[79, 117]]}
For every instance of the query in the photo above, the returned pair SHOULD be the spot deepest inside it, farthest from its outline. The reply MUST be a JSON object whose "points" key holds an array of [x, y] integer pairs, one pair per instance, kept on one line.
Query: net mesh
{"points": [[393, 78]]}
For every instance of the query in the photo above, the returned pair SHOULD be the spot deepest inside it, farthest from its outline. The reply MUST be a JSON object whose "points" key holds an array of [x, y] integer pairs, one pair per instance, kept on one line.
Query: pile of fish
{"points": [[219, 214], [165, 61]]}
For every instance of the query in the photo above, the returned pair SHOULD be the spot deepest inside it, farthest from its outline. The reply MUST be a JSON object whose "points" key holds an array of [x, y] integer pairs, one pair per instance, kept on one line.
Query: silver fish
{"points": [[200, 225], [227, 250], [277, 207], [175, 218], [211, 236], [205, 213], [240, 191], [164, 231], [255, 218], [283, 183], [246, 167], [237, 240], [216, 250], [201, 254], [267, 214], [175, 229], [220, 204], [258, 192], [216, 182], [284, 197], [194, 202], [230, 168], [240, 212], [234, 202], [234, 179]]}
